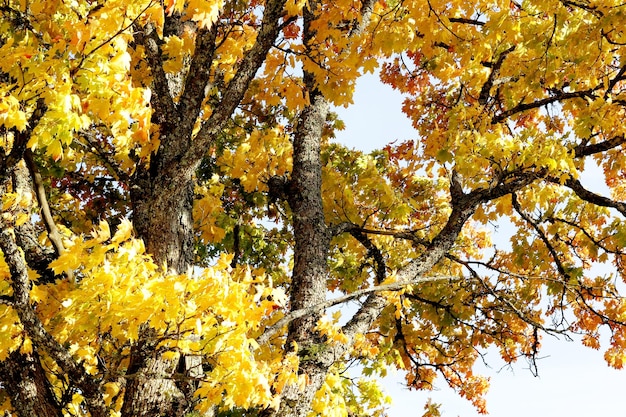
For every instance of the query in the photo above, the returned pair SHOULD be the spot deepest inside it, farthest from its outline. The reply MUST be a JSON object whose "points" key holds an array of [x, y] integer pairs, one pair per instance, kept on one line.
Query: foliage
{"points": [[177, 218]]}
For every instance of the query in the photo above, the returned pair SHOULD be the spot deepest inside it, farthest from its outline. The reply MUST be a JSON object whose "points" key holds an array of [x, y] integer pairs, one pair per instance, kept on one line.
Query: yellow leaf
{"points": [[124, 231], [205, 12], [170, 355]]}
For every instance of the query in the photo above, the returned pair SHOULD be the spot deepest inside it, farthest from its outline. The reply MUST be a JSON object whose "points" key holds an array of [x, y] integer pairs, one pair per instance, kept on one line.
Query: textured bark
{"points": [[162, 216], [311, 235], [308, 285], [24, 380], [308, 282], [150, 390], [20, 284], [162, 192], [162, 200]]}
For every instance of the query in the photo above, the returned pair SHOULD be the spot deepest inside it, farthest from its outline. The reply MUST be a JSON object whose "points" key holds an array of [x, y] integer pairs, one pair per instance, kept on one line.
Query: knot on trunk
{"points": [[278, 188]]}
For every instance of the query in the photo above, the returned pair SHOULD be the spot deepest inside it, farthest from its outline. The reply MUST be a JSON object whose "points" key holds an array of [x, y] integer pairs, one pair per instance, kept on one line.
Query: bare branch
{"points": [[46, 215], [592, 197], [395, 286]]}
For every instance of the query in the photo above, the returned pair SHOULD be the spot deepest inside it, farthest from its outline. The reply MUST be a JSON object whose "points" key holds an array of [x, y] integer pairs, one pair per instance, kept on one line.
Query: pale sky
{"points": [[573, 381]]}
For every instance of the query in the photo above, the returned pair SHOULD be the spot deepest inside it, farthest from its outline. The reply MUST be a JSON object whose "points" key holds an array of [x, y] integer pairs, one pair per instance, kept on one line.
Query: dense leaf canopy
{"points": [[177, 218]]}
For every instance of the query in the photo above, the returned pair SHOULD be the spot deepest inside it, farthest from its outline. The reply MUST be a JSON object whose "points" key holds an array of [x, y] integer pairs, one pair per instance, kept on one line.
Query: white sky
{"points": [[574, 381]]}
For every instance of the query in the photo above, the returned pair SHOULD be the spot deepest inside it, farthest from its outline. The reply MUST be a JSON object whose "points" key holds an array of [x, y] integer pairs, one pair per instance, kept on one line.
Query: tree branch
{"points": [[485, 91], [555, 257], [162, 101], [46, 215], [540, 103], [594, 198], [237, 87], [395, 286], [33, 326], [106, 157], [463, 206], [198, 77], [466, 21], [618, 77], [586, 150], [373, 252]]}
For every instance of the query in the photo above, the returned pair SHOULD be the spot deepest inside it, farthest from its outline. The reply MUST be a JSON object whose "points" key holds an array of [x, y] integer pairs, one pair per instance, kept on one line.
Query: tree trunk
{"points": [[162, 193], [312, 239], [162, 217], [311, 235], [150, 390], [25, 382], [310, 271]]}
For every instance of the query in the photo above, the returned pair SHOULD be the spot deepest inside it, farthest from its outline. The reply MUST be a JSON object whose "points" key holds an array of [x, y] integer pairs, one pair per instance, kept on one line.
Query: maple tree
{"points": [[177, 220]]}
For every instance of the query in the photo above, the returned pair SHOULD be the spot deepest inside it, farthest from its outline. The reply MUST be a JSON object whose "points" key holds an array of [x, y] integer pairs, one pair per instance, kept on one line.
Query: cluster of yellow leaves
{"points": [[261, 155], [75, 59], [340, 55], [341, 396], [16, 207], [335, 56], [277, 86], [207, 209], [445, 69], [328, 328], [10, 113], [464, 65], [363, 347], [209, 312], [355, 188], [329, 401], [205, 12]]}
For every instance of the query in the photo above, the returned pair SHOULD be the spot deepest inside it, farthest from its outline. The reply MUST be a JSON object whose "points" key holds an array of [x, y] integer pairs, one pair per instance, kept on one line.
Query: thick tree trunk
{"points": [[310, 272], [162, 193], [150, 390], [162, 216], [312, 239]]}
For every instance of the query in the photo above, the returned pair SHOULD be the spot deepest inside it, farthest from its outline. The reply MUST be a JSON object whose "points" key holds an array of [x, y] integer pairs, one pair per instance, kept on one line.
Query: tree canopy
{"points": [[177, 220]]}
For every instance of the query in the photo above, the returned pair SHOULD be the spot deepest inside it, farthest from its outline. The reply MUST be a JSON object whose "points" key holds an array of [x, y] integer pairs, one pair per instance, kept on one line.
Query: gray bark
{"points": [[162, 192], [308, 282], [20, 283], [24, 380]]}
